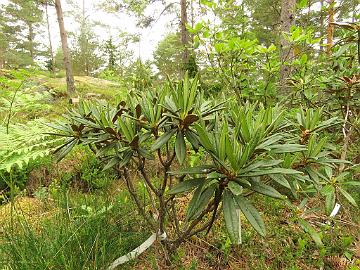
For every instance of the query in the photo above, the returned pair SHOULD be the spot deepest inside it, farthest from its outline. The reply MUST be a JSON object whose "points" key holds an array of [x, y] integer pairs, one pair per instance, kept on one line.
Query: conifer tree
{"points": [[20, 24]]}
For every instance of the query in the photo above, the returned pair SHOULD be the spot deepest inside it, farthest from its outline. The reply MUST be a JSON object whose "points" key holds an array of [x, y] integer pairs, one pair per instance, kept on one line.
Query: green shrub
{"points": [[248, 149]]}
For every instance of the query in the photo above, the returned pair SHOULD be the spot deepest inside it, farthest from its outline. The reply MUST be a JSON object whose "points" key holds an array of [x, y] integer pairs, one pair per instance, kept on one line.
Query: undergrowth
{"points": [[81, 232]]}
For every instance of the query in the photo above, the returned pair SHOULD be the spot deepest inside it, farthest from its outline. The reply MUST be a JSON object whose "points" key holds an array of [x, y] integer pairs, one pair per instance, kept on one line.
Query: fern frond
{"points": [[25, 143]]}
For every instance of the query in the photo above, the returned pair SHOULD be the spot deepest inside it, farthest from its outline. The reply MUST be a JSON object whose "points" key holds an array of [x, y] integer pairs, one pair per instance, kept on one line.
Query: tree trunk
{"points": [[330, 28], [65, 48], [50, 43], [31, 41], [84, 49], [2, 58], [184, 35], [287, 19], [321, 25]]}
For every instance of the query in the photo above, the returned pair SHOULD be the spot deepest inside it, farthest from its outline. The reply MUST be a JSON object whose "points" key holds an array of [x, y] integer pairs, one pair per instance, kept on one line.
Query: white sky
{"points": [[149, 37]]}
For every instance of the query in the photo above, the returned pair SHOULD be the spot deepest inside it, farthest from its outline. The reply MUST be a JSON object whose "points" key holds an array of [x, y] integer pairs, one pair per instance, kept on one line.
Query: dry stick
{"points": [[348, 223]]}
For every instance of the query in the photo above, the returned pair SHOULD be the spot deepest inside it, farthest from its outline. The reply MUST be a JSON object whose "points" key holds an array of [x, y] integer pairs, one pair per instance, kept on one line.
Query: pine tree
{"points": [[85, 53], [20, 25], [110, 51]]}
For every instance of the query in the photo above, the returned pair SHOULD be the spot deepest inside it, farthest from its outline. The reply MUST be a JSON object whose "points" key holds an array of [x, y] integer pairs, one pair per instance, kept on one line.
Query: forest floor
{"points": [[73, 215]]}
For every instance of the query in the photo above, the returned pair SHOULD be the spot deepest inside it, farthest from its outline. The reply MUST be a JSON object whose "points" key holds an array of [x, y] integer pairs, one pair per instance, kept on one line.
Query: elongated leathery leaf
{"points": [[231, 217], [163, 139], [251, 214], [187, 185], [180, 147]]}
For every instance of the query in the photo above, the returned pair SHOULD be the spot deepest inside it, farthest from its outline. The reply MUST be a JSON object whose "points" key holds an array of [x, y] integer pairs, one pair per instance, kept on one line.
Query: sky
{"points": [[149, 37]]}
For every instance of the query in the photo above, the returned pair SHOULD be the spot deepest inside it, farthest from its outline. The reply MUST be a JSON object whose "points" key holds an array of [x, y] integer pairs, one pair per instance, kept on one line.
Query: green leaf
{"points": [[313, 233], [243, 182], [66, 148], [280, 179], [180, 147], [163, 139], [260, 164], [186, 185], [145, 153], [192, 138], [251, 214], [269, 141], [204, 138], [326, 190], [235, 188], [352, 183], [265, 189], [270, 171], [231, 216], [193, 170], [342, 50], [199, 201], [286, 148], [124, 129], [111, 163], [126, 158], [348, 197], [303, 59], [329, 202]]}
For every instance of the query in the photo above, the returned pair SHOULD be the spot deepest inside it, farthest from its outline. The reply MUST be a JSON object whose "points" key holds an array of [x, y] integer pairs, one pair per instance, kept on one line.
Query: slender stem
{"points": [[206, 226], [149, 186], [176, 220], [147, 180], [160, 157], [188, 232], [11, 106], [162, 208], [132, 192]]}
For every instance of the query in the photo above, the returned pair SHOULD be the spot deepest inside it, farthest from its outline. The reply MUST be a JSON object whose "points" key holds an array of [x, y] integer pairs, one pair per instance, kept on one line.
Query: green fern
{"points": [[24, 143]]}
